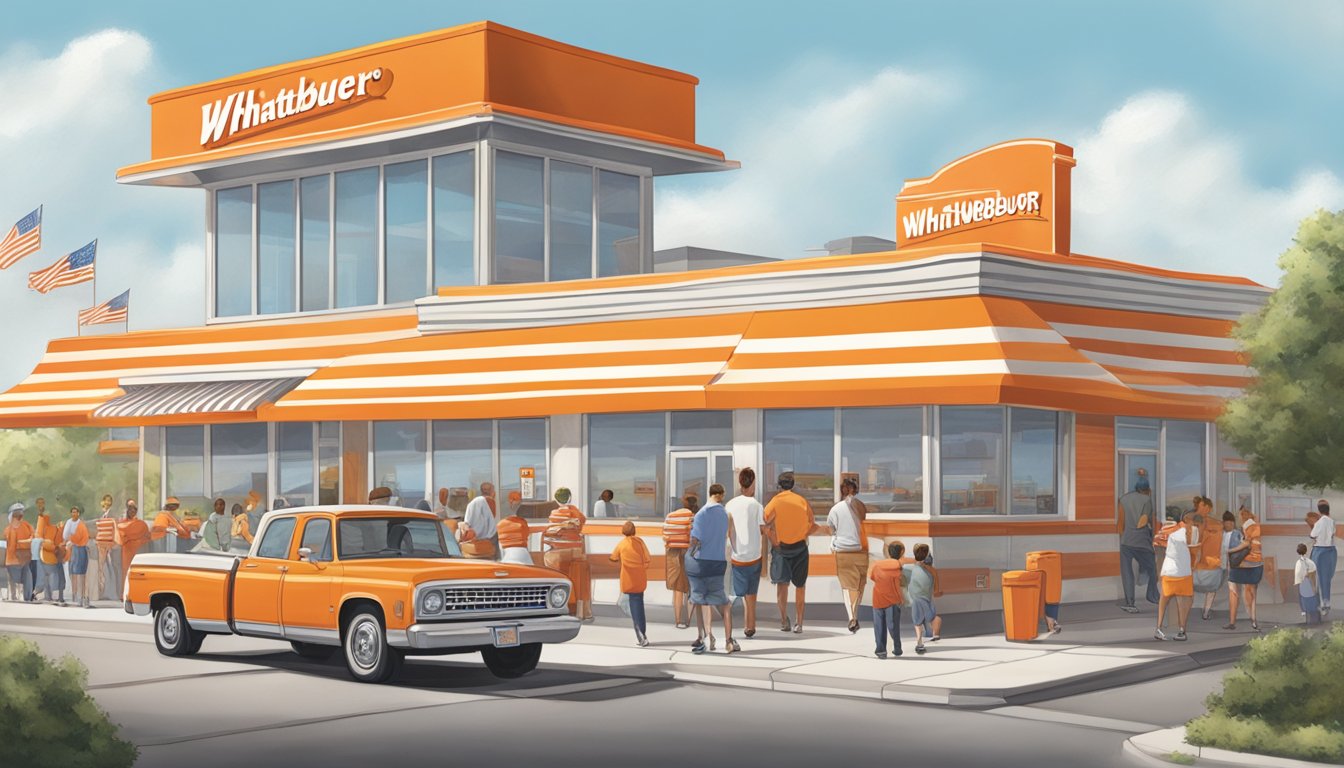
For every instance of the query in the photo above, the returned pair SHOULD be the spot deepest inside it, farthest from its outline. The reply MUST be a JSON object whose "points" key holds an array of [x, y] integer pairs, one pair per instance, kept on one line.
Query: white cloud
{"points": [[69, 122], [809, 173], [1156, 184]]}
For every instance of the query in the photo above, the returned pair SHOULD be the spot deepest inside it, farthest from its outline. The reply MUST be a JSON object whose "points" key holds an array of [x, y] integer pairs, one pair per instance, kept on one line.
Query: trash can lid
{"points": [[1022, 577], [1043, 553]]}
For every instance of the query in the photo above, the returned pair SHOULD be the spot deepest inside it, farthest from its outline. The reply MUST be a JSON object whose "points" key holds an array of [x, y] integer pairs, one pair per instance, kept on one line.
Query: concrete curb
{"points": [[1152, 749]]}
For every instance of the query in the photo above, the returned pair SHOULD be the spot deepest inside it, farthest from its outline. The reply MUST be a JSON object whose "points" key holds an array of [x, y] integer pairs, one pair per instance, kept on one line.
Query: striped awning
{"points": [[193, 398]]}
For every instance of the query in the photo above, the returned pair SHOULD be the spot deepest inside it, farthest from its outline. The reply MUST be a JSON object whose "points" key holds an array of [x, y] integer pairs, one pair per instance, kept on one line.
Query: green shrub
{"points": [[1279, 699], [46, 718]]}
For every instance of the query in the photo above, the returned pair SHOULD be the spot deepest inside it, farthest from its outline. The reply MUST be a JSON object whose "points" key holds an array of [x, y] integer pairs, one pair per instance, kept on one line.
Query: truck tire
{"points": [[313, 650], [509, 663], [367, 655], [172, 634]]}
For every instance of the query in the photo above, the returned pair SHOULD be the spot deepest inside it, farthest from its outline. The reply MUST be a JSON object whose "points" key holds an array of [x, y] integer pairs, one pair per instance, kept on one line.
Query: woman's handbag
{"points": [[1235, 559]]}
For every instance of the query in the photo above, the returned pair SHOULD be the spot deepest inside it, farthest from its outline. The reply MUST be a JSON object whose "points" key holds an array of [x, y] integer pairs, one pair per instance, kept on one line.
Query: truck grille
{"points": [[476, 599]]}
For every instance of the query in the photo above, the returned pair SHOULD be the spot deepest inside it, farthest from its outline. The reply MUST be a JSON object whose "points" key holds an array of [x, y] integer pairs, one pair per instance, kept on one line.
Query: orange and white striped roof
{"points": [[946, 328]]}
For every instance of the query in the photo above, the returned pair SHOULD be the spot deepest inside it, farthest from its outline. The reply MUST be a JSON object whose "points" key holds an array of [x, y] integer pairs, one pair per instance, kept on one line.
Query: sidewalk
{"points": [[972, 666]]}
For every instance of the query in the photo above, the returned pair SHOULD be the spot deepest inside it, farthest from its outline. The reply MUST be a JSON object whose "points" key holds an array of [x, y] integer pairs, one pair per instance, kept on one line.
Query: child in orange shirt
{"points": [[633, 556], [887, 598]]}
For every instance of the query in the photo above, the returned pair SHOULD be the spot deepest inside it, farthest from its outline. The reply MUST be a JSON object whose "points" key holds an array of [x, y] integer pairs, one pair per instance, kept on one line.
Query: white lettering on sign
{"points": [[249, 112], [931, 220]]}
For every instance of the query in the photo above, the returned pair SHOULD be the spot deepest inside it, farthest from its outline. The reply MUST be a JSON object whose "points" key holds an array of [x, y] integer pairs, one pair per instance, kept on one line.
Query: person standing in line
{"points": [[478, 541], [1306, 579], [134, 535], [1178, 582], [217, 533], [18, 553], [1248, 573], [604, 506], [240, 531], [563, 540], [886, 576], [1136, 543], [921, 587], [381, 496], [35, 564], [1226, 539], [676, 539], [76, 536], [850, 545], [1323, 553], [706, 563], [513, 532], [109, 550], [746, 533], [789, 520], [442, 508], [165, 522], [48, 553], [633, 557]]}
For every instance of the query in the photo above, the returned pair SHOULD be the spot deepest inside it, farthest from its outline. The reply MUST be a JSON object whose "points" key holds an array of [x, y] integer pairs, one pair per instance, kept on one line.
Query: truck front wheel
{"points": [[509, 663], [367, 655], [172, 634]]}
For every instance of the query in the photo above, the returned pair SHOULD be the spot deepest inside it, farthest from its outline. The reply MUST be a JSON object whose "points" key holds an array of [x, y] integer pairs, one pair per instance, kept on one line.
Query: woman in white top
{"points": [[850, 547], [1323, 552], [1178, 581]]}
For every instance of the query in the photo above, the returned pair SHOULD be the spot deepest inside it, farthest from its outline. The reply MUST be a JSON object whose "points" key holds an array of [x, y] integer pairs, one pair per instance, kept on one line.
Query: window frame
{"points": [[1064, 462], [589, 493]]}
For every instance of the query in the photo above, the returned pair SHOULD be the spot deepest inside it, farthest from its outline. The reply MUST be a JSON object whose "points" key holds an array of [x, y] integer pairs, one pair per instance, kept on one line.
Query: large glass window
{"points": [[618, 246], [455, 219], [627, 452], [463, 459], [399, 459], [702, 429], [801, 442], [883, 449], [1184, 464], [275, 247], [238, 462], [522, 444], [407, 226], [571, 221], [184, 462], [233, 252], [519, 231], [971, 452], [315, 242], [1033, 441], [294, 460], [357, 237]]}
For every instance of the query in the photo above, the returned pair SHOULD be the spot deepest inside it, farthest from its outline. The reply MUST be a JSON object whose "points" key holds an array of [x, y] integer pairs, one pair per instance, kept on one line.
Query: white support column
{"points": [[747, 444], [566, 468]]}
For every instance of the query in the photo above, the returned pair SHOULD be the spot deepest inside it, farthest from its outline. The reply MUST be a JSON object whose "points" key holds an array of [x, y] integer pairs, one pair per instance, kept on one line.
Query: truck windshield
{"points": [[366, 537]]}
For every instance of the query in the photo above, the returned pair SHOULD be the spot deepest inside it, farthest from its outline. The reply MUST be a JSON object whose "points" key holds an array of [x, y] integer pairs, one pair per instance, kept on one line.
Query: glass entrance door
{"points": [[694, 471]]}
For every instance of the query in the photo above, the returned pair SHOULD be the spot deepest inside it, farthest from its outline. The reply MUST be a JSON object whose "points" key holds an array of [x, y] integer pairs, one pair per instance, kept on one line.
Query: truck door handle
{"points": [[284, 569], [250, 565]]}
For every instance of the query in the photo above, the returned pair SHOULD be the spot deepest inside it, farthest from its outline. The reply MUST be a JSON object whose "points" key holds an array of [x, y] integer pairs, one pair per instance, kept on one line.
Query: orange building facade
{"points": [[431, 265]]}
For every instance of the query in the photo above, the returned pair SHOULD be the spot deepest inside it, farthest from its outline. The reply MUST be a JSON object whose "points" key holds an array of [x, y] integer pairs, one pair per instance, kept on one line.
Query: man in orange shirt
{"points": [[134, 535], [513, 532], [51, 576], [167, 521], [788, 522], [676, 540], [76, 536], [563, 540], [18, 553], [633, 556]]}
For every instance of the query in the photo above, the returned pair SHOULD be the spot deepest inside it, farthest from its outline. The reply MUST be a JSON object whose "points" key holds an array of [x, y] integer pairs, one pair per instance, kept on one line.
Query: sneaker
{"points": [[1129, 608], [896, 652], [1159, 634], [1180, 636], [797, 629], [881, 654], [919, 649], [1057, 629], [750, 632], [698, 647], [935, 638]]}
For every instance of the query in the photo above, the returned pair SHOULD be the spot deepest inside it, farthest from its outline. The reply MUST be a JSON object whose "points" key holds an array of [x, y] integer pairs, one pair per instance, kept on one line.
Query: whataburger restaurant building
{"points": [[430, 264]]}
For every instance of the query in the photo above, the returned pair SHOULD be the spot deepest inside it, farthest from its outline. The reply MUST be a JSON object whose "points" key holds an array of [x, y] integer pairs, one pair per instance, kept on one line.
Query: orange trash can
{"points": [[1051, 564], [1022, 591]]}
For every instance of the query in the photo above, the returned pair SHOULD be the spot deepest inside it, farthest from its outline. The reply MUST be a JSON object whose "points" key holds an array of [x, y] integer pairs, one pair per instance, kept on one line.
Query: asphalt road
{"points": [[254, 704]]}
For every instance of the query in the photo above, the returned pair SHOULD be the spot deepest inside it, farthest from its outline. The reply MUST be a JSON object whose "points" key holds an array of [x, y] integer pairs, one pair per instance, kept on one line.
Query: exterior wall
{"points": [[1094, 481], [355, 462]]}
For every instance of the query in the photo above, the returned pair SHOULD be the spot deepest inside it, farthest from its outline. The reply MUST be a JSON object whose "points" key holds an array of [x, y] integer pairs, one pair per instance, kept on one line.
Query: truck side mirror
{"points": [[306, 553]]}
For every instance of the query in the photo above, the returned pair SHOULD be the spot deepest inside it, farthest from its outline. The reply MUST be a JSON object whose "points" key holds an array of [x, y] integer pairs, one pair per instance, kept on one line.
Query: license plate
{"points": [[505, 637]]}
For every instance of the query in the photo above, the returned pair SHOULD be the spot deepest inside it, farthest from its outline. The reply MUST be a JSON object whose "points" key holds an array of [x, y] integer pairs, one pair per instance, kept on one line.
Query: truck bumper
{"points": [[475, 634]]}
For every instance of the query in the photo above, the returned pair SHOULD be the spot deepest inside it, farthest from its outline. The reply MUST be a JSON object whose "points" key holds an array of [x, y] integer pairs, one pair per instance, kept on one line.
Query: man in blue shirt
{"points": [[706, 563]]}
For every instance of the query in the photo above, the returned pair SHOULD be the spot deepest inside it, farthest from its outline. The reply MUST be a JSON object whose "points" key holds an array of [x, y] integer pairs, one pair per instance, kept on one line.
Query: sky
{"points": [[1204, 131]]}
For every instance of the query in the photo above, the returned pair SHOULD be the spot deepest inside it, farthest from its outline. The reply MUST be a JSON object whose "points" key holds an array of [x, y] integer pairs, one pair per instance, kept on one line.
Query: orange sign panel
{"points": [[1016, 194]]}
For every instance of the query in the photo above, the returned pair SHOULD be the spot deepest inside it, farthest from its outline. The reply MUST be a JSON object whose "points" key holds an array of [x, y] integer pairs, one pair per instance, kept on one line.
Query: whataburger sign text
{"points": [[971, 211], [246, 113]]}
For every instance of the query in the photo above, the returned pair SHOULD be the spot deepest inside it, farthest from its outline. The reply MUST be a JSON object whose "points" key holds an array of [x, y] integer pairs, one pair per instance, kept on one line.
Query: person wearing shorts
{"points": [[1247, 576], [1178, 581], [706, 563], [850, 545], [676, 538], [746, 531], [788, 522], [921, 587], [77, 536]]}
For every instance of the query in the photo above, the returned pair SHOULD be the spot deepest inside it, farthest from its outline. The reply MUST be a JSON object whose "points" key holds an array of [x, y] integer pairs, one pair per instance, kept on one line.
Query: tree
{"points": [[1290, 422], [64, 466]]}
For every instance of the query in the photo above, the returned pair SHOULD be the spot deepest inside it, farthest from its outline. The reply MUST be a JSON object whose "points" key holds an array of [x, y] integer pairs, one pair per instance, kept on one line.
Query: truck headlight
{"points": [[432, 602], [559, 596]]}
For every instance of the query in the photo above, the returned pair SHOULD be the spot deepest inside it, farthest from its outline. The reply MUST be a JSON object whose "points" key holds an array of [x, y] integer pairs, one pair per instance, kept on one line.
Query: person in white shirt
{"points": [[1178, 581], [746, 531], [1323, 552], [480, 520], [1229, 530], [604, 507], [1306, 578], [850, 547]]}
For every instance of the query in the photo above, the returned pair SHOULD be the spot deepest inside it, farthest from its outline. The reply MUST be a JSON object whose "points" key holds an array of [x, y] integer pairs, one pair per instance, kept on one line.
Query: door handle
{"points": [[250, 565], [284, 569]]}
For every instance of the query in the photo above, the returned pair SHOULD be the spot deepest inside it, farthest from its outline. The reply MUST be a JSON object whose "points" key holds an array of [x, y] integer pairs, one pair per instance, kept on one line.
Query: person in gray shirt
{"points": [[1136, 542]]}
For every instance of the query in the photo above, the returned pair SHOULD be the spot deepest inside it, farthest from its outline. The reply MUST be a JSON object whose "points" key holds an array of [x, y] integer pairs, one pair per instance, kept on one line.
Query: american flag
{"points": [[24, 238], [113, 310], [71, 269]]}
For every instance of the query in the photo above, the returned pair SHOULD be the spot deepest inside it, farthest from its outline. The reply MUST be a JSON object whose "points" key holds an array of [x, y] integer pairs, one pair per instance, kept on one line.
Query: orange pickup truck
{"points": [[377, 583]]}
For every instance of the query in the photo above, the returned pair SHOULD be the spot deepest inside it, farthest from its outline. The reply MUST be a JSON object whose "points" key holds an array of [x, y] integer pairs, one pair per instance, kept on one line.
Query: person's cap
{"points": [[16, 507], [131, 503], [1141, 484], [381, 492], [172, 501]]}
